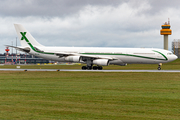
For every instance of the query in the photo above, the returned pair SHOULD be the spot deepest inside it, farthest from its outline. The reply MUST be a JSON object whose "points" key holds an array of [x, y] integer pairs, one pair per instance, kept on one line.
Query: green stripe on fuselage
{"points": [[39, 51], [161, 54], [127, 55]]}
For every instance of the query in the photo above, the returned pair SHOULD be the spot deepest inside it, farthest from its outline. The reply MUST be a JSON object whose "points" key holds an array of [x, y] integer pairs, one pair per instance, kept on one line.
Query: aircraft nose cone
{"points": [[173, 57]]}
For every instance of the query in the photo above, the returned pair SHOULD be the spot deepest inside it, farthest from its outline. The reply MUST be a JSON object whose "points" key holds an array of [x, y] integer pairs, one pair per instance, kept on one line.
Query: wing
{"points": [[65, 54]]}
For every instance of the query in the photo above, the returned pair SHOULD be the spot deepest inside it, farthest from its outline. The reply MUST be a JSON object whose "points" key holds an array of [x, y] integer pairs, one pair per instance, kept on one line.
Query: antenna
{"points": [[16, 45], [12, 47]]}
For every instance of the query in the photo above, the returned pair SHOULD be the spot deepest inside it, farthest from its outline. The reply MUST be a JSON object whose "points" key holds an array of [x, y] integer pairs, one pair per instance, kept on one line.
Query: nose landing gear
{"points": [[159, 66]]}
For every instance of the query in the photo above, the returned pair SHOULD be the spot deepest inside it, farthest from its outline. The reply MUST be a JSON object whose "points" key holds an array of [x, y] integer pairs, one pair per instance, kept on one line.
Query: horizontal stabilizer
{"points": [[23, 49]]}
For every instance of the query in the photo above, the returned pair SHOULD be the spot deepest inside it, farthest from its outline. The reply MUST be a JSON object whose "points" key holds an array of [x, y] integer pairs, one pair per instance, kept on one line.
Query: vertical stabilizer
{"points": [[25, 37]]}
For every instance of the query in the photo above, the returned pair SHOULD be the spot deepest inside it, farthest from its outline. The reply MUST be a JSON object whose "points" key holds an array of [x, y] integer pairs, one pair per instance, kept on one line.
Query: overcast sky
{"points": [[90, 23]]}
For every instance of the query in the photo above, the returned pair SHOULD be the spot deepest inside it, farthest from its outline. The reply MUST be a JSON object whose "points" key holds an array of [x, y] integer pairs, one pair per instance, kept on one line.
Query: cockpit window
{"points": [[169, 53]]}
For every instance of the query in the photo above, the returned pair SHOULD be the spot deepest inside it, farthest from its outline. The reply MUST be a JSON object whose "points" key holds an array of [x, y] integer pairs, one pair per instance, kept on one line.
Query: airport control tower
{"points": [[166, 31]]}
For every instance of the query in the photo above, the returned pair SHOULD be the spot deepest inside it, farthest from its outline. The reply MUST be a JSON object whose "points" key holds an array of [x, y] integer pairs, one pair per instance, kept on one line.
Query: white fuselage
{"points": [[120, 55]]}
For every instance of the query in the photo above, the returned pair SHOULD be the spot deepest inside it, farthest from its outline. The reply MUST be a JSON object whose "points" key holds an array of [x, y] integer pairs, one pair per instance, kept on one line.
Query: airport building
{"points": [[176, 47], [21, 59], [12, 58]]}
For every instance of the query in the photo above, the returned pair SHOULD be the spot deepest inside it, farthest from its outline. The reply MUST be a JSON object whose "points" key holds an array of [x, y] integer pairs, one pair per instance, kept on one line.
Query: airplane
{"points": [[93, 57]]}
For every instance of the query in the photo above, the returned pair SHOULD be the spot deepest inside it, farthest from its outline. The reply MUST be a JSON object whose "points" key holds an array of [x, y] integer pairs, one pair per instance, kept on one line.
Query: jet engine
{"points": [[72, 58], [101, 62], [117, 62]]}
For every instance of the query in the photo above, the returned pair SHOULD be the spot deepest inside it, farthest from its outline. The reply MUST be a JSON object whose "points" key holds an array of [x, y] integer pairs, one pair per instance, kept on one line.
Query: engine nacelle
{"points": [[102, 62], [123, 64], [117, 62], [72, 58]]}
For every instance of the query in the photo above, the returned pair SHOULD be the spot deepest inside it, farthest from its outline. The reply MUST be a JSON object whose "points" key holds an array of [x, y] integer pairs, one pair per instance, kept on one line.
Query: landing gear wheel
{"points": [[159, 68], [89, 67], [99, 68], [95, 67], [84, 67]]}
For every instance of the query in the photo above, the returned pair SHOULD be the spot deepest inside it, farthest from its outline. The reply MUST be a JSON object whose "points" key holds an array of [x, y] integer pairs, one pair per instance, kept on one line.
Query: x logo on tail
{"points": [[23, 36]]}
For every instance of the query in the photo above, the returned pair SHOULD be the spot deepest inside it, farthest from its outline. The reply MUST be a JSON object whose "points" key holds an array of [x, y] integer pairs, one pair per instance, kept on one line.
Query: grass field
{"points": [[89, 96], [92, 95]]}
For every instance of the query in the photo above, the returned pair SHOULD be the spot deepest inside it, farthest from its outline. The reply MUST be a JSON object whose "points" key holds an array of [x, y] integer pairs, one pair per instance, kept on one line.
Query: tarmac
{"points": [[79, 70]]}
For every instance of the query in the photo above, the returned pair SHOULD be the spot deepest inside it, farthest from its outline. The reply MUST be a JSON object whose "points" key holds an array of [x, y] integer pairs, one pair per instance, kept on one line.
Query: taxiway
{"points": [[79, 70]]}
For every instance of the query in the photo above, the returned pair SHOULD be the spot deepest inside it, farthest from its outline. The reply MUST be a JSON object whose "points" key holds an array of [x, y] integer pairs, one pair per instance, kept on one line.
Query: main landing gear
{"points": [[89, 63], [159, 66], [90, 67]]}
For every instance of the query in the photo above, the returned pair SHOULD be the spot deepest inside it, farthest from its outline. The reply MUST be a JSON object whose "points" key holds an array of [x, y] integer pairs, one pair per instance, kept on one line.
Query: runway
{"points": [[79, 70]]}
